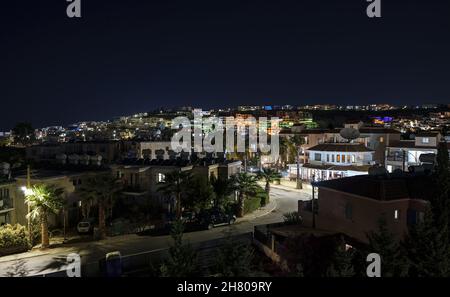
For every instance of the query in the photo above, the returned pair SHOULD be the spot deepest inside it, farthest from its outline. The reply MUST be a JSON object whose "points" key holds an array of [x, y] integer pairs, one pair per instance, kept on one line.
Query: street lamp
{"points": [[312, 202]]}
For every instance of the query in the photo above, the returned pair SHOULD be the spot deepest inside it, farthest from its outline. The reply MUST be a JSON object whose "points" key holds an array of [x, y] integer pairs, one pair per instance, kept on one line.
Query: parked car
{"points": [[215, 217], [86, 226]]}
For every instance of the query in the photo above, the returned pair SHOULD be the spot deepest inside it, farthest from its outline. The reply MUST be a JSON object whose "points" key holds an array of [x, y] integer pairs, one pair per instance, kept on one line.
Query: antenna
{"points": [[349, 134]]}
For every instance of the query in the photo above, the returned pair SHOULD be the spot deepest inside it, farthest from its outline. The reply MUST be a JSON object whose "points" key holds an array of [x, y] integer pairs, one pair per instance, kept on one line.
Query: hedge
{"points": [[252, 204], [13, 238]]}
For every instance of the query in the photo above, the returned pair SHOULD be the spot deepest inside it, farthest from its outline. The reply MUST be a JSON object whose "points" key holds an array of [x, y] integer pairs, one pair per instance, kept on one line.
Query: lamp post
{"points": [[30, 235], [299, 184], [312, 202]]}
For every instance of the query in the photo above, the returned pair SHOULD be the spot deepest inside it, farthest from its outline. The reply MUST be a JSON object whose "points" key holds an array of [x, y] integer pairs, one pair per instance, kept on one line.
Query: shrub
{"points": [[292, 218], [263, 196], [252, 204], [13, 236]]}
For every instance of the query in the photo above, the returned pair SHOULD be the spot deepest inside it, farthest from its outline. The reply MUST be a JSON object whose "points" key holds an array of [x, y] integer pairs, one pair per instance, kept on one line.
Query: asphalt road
{"points": [[37, 262]]}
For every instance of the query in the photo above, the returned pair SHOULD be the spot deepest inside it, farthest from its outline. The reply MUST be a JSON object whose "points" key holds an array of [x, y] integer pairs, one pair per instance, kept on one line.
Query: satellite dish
{"points": [[349, 134]]}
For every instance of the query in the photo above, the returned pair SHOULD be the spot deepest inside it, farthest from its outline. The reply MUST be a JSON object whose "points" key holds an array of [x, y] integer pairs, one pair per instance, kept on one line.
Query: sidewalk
{"points": [[271, 206]]}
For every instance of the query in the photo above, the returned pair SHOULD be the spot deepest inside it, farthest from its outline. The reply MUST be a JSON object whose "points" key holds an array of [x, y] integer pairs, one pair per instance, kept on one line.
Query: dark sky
{"points": [[129, 56]]}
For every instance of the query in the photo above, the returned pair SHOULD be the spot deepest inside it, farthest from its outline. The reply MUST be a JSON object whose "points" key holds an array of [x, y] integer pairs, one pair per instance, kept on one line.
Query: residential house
{"points": [[355, 205]]}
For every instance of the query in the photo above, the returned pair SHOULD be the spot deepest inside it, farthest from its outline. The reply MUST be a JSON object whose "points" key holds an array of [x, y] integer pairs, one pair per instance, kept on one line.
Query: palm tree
{"points": [[245, 184], [43, 200], [223, 189], [295, 144], [176, 183], [101, 190], [268, 175]]}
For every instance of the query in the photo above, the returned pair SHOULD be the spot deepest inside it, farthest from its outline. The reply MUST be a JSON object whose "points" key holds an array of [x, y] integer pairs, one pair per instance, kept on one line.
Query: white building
{"points": [[403, 154], [334, 160]]}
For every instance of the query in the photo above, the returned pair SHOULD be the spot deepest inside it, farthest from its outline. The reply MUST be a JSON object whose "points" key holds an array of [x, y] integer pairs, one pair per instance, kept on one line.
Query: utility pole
{"points": [[312, 203], [299, 184], [30, 235]]}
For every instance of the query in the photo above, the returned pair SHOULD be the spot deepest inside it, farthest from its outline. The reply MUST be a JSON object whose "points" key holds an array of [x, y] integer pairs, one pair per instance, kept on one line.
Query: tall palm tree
{"points": [[223, 189], [101, 190], [176, 183], [295, 145], [43, 200], [268, 175], [245, 184]]}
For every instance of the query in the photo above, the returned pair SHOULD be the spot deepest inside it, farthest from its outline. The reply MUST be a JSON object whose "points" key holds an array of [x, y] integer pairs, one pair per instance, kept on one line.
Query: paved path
{"points": [[283, 199]]}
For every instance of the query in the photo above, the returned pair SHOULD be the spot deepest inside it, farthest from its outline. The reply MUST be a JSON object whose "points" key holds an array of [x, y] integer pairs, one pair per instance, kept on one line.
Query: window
{"points": [[332, 158], [348, 211], [425, 140], [381, 139], [348, 158], [161, 177], [328, 158], [343, 159], [317, 157], [338, 158], [353, 159], [396, 214]]}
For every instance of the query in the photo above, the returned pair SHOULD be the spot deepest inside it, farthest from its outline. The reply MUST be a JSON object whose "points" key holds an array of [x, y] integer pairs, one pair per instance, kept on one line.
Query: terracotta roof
{"points": [[340, 147], [373, 130], [412, 144]]}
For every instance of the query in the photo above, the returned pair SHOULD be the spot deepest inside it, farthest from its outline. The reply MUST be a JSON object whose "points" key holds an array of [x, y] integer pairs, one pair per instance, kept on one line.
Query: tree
{"points": [[295, 144], [383, 242], [100, 190], [440, 203], [284, 152], [269, 176], [175, 184], [43, 200], [246, 185], [342, 264], [23, 133], [200, 194], [234, 259], [223, 188], [427, 248], [182, 260]]}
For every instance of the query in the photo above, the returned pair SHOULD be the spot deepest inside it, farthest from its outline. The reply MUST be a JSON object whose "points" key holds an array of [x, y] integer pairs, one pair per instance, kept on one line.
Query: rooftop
{"points": [[389, 187], [340, 147]]}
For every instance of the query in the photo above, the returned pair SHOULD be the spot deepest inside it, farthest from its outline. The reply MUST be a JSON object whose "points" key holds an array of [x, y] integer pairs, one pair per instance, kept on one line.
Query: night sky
{"points": [[132, 56]]}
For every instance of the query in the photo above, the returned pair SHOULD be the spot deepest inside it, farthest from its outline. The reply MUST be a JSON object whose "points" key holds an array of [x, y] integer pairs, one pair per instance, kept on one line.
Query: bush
{"points": [[263, 196], [292, 218], [13, 236], [251, 204]]}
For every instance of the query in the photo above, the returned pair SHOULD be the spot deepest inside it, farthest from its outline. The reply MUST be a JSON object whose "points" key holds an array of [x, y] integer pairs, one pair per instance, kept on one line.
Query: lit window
{"points": [[396, 214], [338, 158], [343, 159], [425, 140], [161, 178], [381, 139]]}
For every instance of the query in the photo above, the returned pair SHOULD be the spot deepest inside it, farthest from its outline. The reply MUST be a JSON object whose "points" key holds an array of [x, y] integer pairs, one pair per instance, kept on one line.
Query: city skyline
{"points": [[121, 59]]}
